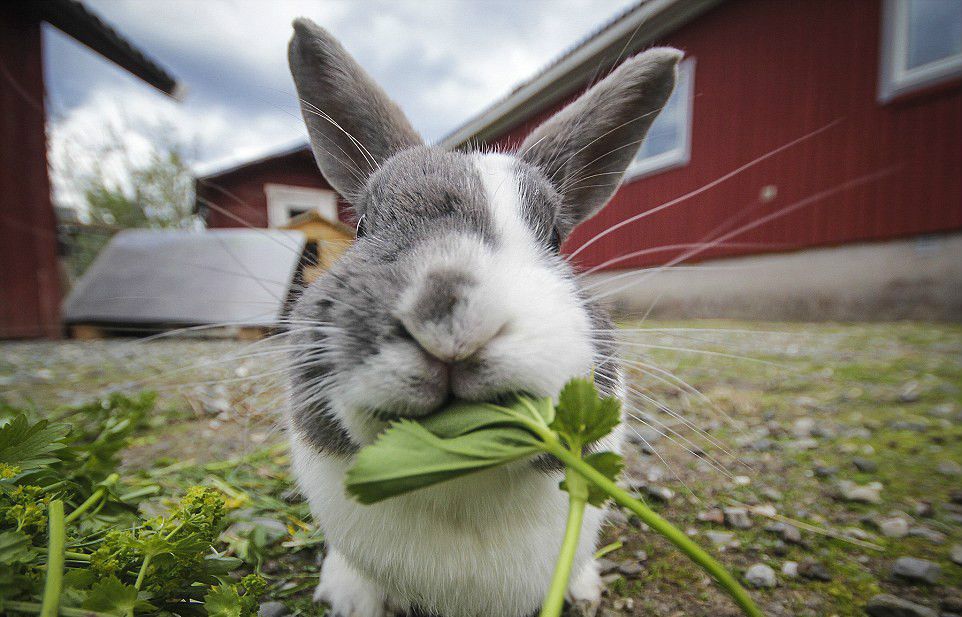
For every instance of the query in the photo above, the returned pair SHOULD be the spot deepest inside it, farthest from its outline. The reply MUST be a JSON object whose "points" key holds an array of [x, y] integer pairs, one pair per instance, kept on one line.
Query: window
{"points": [[668, 143], [284, 202], [921, 45]]}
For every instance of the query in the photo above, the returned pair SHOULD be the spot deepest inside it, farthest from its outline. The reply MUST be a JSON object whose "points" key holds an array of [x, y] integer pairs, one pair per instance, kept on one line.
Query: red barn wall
{"points": [[237, 199], [768, 72], [29, 273]]}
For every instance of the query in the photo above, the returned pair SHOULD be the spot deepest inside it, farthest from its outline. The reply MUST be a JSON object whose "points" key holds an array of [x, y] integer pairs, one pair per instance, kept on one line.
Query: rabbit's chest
{"points": [[456, 545]]}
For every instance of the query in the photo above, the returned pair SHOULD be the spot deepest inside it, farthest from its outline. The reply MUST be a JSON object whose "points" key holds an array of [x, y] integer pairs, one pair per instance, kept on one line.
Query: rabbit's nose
{"points": [[449, 349], [443, 320]]}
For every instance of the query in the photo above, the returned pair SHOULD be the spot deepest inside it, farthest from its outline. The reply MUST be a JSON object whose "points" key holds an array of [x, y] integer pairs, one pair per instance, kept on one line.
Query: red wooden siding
{"points": [[241, 191], [768, 72], [29, 274]]}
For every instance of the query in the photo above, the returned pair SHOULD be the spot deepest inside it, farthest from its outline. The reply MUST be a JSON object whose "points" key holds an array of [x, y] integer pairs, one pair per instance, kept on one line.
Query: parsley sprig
{"points": [[470, 437]]}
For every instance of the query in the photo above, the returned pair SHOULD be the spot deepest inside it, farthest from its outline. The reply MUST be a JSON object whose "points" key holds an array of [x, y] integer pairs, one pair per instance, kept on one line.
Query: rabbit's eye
{"points": [[555, 241], [360, 232]]}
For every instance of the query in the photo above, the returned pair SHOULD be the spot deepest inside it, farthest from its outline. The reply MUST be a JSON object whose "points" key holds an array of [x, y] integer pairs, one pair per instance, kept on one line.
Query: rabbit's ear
{"points": [[586, 147], [352, 124]]}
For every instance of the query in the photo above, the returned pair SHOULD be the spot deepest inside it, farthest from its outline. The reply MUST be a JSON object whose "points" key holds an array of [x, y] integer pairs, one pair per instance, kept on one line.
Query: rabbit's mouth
{"points": [[388, 415]]}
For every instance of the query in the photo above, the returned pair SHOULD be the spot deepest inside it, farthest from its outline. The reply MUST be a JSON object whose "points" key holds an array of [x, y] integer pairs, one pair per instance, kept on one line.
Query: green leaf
{"points": [[29, 446], [582, 416], [407, 456], [224, 602], [14, 548], [109, 595], [464, 417], [610, 465]]}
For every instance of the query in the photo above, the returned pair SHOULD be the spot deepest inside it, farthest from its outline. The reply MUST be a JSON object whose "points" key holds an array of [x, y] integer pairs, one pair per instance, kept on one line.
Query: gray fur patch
{"points": [[352, 123], [585, 148]]}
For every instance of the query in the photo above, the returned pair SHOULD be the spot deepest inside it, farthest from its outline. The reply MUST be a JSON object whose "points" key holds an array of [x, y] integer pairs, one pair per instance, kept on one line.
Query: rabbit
{"points": [[454, 289]]}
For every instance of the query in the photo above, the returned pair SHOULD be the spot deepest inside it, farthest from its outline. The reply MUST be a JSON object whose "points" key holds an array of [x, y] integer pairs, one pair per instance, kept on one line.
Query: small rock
{"points": [[767, 510], [771, 493], [951, 603], [857, 533], [910, 392], [861, 493], [715, 515], [791, 534], [617, 516], [802, 444], [641, 556], [814, 570], [942, 411], [737, 518], [924, 509], [955, 554], [760, 575], [803, 427], [720, 539], [908, 425], [823, 432], [790, 569], [885, 605], [825, 471], [661, 493], [656, 473], [926, 533], [644, 436], [272, 609], [608, 579], [741, 480], [630, 568], [895, 527], [919, 570], [949, 468], [634, 482], [606, 565], [864, 464]]}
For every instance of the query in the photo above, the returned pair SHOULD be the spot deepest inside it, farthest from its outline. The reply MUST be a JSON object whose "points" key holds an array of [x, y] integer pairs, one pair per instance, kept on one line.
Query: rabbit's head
{"points": [[455, 287]]}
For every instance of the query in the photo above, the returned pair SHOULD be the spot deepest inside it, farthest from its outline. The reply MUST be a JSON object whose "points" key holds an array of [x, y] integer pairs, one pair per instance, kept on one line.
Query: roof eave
{"points": [[75, 20], [628, 34]]}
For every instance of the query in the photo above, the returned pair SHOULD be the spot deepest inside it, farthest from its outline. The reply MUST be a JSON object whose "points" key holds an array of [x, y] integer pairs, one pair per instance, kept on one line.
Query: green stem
{"points": [[663, 527], [608, 548], [55, 549], [578, 498], [66, 611], [143, 572], [75, 556], [94, 498], [140, 581]]}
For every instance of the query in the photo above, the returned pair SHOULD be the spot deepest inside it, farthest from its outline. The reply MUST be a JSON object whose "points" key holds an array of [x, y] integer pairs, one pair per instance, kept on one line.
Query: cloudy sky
{"points": [[442, 60]]}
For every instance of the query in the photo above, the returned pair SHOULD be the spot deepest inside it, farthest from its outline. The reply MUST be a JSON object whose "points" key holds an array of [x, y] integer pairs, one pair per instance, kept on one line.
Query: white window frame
{"points": [[894, 78], [282, 198], [681, 155]]}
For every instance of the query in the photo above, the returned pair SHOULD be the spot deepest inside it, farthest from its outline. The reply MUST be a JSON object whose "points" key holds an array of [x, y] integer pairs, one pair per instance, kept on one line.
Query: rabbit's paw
{"points": [[584, 591], [348, 592]]}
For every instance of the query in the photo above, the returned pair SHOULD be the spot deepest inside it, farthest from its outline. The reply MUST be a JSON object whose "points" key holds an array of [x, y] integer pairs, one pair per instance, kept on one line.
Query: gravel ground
{"points": [[822, 463]]}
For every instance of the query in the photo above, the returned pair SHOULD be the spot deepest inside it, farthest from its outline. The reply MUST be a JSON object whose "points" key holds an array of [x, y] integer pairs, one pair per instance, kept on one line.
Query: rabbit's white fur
{"points": [[486, 544], [483, 545], [457, 289]]}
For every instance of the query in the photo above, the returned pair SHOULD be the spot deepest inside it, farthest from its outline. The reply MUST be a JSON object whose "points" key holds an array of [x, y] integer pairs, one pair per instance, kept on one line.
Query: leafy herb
{"points": [[73, 542], [467, 438]]}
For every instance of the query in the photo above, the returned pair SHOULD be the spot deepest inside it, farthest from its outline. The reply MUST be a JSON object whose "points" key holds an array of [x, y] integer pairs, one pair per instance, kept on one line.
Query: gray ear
{"points": [[352, 124], [586, 147]]}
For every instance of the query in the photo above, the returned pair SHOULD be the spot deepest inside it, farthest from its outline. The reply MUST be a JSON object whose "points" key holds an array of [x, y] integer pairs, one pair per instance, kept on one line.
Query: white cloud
{"points": [[442, 60]]}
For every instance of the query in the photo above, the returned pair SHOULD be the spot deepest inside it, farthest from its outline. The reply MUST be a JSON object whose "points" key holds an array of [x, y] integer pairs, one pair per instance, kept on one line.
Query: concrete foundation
{"points": [[917, 278]]}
